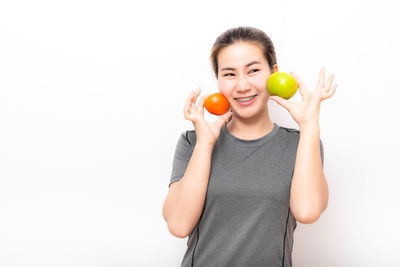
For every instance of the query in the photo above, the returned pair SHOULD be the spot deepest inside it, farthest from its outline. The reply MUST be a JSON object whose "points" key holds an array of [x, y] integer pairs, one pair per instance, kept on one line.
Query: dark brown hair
{"points": [[243, 34]]}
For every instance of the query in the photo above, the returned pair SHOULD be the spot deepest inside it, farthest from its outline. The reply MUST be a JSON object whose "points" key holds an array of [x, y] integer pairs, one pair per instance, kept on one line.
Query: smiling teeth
{"points": [[245, 99]]}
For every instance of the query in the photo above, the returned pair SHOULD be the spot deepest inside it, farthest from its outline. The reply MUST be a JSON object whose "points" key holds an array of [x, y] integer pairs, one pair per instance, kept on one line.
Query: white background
{"points": [[91, 100]]}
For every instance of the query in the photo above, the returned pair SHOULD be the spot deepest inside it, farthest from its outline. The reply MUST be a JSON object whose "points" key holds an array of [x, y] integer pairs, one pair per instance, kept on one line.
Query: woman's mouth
{"points": [[245, 100]]}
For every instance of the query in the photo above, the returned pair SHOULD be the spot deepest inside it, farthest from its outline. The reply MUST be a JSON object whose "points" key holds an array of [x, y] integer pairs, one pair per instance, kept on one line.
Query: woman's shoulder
{"points": [[288, 130], [189, 136], [291, 134]]}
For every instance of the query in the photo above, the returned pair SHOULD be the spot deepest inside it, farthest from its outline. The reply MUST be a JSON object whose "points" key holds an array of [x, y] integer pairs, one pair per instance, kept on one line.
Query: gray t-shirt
{"points": [[246, 219]]}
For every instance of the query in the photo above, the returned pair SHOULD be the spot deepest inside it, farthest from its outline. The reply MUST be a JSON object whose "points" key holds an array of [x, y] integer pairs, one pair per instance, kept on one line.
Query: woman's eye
{"points": [[229, 74], [254, 70]]}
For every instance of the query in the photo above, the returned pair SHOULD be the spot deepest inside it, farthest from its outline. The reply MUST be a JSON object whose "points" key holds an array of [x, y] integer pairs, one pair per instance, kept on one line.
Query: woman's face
{"points": [[243, 72]]}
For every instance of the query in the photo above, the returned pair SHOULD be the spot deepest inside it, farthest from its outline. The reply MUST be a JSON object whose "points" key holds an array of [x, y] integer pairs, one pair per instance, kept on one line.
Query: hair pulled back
{"points": [[243, 34]]}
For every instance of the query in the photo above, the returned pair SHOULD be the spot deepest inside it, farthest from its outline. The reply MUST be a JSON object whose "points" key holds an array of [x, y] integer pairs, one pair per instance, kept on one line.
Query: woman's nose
{"points": [[242, 84]]}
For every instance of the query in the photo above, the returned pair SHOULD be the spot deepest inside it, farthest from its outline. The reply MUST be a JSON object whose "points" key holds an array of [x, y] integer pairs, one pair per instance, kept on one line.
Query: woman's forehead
{"points": [[240, 55]]}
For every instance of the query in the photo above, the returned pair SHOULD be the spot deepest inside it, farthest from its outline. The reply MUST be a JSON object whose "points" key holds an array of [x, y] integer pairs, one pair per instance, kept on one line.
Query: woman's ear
{"points": [[275, 68]]}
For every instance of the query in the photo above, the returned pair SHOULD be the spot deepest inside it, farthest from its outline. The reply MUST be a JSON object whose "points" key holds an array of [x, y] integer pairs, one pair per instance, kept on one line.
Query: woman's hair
{"points": [[243, 34]]}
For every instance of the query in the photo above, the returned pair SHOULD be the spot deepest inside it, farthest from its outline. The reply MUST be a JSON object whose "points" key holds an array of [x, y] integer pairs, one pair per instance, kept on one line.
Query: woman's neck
{"points": [[250, 129]]}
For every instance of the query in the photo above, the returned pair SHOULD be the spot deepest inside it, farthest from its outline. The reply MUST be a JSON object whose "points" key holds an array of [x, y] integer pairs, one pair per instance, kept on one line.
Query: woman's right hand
{"points": [[205, 132]]}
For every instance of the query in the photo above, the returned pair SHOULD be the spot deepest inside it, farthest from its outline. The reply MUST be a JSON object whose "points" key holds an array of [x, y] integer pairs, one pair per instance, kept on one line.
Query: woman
{"points": [[237, 189]]}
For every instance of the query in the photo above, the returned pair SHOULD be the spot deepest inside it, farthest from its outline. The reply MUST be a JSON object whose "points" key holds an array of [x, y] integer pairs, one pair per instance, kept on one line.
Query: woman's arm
{"points": [[185, 200], [309, 190]]}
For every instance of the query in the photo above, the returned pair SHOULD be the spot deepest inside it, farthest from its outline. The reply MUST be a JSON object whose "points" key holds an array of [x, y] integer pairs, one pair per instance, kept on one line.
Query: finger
{"points": [[301, 85], [200, 106], [223, 118], [188, 103], [322, 76], [281, 101], [330, 92], [197, 93], [300, 82], [194, 99], [330, 81], [333, 90]]}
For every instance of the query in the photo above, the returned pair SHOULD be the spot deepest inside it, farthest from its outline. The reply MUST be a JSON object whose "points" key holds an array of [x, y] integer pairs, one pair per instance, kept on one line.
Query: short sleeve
{"points": [[322, 152], [182, 155]]}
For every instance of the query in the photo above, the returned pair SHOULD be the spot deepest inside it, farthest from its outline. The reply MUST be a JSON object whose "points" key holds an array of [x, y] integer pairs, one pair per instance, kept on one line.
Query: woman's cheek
{"points": [[260, 83], [225, 87]]}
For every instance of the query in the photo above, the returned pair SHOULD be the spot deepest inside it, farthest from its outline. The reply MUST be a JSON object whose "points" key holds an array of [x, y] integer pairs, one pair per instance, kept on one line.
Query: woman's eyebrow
{"points": [[248, 65]]}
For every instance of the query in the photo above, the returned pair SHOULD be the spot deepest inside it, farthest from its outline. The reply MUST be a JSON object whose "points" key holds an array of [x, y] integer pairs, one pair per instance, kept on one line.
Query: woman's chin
{"points": [[247, 113]]}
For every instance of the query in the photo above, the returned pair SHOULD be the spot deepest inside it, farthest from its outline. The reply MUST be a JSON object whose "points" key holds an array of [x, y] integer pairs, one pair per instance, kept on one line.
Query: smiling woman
{"points": [[242, 75], [231, 188], [242, 36]]}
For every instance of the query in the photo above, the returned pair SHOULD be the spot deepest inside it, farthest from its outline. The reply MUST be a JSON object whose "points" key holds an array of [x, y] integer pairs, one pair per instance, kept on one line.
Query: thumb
{"points": [[281, 101], [223, 118]]}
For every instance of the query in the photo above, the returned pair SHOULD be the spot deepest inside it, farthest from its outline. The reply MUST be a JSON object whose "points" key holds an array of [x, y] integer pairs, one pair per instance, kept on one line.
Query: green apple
{"points": [[282, 84]]}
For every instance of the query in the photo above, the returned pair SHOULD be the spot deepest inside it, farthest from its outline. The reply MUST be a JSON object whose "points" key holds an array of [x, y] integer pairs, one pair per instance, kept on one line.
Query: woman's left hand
{"points": [[307, 111]]}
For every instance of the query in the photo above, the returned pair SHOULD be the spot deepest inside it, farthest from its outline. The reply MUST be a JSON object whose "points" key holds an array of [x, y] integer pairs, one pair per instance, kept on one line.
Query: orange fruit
{"points": [[216, 104]]}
